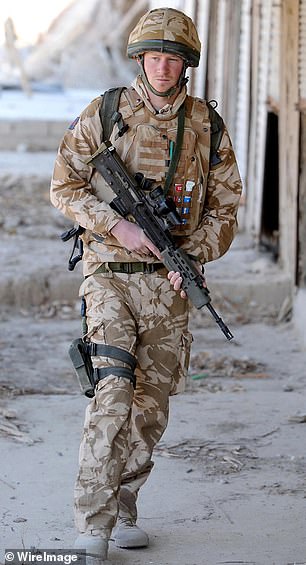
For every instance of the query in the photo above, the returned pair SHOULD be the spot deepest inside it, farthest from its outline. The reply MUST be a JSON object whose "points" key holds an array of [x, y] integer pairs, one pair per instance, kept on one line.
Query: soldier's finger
{"points": [[154, 251], [173, 275], [177, 283]]}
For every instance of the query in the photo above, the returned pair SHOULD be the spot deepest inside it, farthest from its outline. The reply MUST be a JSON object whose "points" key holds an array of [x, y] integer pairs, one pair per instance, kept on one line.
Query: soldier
{"points": [[134, 308]]}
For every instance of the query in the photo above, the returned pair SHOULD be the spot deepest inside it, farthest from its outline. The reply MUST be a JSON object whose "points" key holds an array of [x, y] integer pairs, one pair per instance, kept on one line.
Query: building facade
{"points": [[254, 64]]}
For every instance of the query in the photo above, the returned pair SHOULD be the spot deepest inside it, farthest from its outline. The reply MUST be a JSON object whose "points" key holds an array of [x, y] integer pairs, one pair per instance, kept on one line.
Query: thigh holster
{"points": [[113, 352]]}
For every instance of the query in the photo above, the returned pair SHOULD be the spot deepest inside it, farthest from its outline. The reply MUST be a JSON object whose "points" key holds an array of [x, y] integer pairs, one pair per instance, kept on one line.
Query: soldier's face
{"points": [[162, 69]]}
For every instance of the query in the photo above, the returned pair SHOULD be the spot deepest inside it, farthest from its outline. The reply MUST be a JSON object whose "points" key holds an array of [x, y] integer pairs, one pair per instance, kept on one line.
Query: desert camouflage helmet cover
{"points": [[166, 30]]}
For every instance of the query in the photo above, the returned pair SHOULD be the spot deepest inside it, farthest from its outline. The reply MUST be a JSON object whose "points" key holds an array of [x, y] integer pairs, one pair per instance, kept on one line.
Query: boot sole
{"points": [[126, 545]]}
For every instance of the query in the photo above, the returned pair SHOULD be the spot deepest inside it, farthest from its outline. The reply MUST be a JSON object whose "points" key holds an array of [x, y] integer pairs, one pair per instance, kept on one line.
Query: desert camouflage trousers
{"points": [[141, 314]]}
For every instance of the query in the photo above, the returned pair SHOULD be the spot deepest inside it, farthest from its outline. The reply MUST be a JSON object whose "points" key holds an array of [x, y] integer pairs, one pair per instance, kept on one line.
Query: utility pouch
{"points": [[81, 360]]}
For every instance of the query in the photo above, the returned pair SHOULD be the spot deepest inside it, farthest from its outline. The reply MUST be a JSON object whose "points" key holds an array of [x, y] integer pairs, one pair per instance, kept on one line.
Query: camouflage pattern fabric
{"points": [[211, 195], [166, 25], [141, 314]]}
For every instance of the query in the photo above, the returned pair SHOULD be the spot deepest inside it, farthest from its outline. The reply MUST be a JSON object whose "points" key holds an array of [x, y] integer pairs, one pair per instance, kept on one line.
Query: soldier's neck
{"points": [[158, 102]]}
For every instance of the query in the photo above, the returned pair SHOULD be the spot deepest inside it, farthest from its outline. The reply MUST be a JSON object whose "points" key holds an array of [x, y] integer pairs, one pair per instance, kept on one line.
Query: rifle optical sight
{"points": [[164, 207]]}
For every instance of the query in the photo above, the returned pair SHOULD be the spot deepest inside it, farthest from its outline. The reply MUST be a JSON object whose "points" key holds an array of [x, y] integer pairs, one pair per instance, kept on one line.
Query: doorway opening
{"points": [[269, 232]]}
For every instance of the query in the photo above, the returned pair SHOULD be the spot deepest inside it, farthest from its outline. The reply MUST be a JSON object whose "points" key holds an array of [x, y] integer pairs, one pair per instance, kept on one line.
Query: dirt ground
{"points": [[229, 481]]}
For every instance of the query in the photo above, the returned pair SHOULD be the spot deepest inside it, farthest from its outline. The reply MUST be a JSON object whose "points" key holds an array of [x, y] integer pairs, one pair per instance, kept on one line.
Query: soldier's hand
{"points": [[176, 280], [133, 238]]}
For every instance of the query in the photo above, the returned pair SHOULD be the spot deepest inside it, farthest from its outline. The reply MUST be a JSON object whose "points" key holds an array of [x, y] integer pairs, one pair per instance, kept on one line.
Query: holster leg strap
{"points": [[113, 352], [101, 373]]}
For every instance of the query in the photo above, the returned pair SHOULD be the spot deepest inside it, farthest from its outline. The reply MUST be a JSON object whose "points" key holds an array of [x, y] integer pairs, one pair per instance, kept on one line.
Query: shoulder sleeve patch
{"points": [[74, 123]]}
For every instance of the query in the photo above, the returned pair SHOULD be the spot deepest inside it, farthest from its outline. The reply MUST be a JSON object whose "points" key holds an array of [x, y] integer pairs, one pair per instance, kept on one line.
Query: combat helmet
{"points": [[168, 31]]}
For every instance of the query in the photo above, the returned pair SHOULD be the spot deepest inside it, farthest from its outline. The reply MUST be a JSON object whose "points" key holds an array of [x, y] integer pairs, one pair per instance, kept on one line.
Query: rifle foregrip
{"points": [[198, 295], [178, 260]]}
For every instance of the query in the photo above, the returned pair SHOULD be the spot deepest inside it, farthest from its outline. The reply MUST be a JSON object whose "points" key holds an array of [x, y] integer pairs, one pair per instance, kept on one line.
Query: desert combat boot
{"points": [[94, 547], [127, 534]]}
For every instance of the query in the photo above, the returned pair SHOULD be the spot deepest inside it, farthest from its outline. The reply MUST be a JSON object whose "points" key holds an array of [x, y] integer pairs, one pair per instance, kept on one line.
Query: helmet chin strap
{"points": [[181, 82]]}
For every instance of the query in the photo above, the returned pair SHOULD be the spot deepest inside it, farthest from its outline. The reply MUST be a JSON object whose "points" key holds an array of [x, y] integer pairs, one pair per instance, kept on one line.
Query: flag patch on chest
{"points": [[74, 123]]}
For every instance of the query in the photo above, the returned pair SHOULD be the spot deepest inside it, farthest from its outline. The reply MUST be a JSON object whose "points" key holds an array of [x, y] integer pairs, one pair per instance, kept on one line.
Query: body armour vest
{"points": [[147, 147]]}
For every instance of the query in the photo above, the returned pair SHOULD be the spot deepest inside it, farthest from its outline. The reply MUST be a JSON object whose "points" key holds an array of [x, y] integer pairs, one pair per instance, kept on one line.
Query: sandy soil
{"points": [[229, 479]]}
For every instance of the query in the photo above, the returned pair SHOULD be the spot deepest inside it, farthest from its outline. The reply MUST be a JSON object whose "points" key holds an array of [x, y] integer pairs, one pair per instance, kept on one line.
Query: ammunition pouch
{"points": [[81, 353]]}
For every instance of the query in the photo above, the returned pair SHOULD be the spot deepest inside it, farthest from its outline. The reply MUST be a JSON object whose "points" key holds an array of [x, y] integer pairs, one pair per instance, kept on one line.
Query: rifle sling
{"points": [[177, 149]]}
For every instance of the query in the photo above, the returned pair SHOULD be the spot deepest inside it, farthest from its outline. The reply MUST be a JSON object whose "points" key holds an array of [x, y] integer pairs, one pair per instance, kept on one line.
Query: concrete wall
{"points": [[299, 314], [31, 135]]}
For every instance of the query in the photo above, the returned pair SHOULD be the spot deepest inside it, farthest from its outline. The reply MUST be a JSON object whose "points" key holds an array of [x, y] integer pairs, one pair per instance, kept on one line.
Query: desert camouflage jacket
{"points": [[206, 197]]}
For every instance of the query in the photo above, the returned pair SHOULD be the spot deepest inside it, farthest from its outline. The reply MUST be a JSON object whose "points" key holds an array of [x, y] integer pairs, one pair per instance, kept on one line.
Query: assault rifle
{"points": [[156, 215]]}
